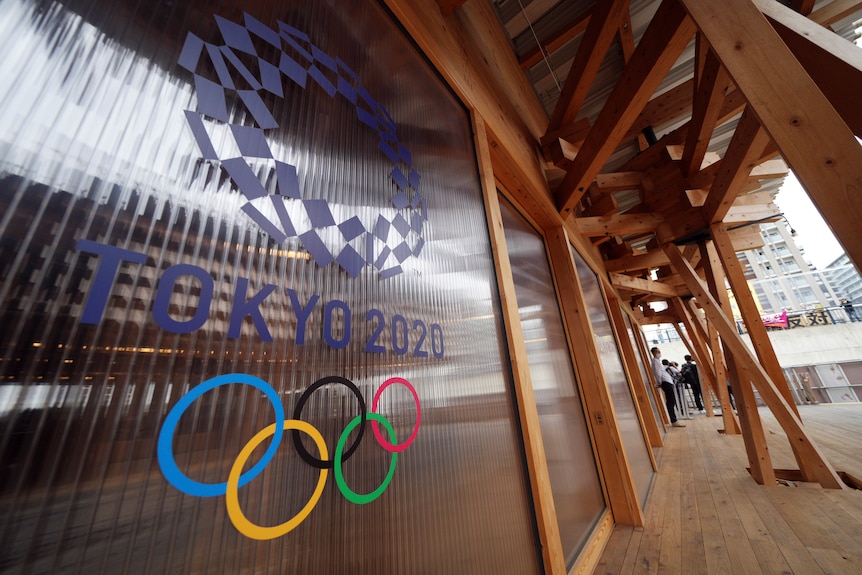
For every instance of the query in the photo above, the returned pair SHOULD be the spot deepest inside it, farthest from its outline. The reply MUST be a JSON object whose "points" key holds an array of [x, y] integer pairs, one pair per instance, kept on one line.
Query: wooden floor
{"points": [[706, 515]]}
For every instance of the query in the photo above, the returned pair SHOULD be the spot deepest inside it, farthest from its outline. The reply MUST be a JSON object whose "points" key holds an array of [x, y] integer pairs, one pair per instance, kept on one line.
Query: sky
{"points": [[812, 233]]}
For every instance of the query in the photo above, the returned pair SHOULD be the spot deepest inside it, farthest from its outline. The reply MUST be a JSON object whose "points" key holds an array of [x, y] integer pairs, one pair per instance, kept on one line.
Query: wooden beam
{"points": [[493, 86], [729, 418], [784, 415], [537, 465], [449, 6], [563, 36], [619, 181], [833, 63], [605, 20], [598, 404], [756, 330], [747, 238], [776, 168], [743, 152], [560, 146], [618, 224], [658, 319], [754, 437], [804, 7], [816, 142], [667, 107], [649, 260], [835, 11], [664, 40], [643, 286], [708, 100], [625, 36], [745, 214]]}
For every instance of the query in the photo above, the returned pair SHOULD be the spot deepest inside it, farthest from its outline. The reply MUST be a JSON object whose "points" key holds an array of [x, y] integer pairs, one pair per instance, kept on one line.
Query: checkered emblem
{"points": [[387, 240]]}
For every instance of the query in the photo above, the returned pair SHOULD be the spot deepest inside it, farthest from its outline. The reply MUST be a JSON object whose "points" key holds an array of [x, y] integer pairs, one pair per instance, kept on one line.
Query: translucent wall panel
{"points": [[575, 483], [637, 339], [215, 226], [633, 437]]}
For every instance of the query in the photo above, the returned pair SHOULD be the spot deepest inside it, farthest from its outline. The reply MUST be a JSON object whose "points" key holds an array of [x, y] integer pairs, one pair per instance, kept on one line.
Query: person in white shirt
{"points": [[665, 382]]}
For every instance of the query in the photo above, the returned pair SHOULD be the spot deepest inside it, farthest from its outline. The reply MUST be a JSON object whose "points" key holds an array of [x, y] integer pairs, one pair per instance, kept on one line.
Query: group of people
{"points": [[668, 374]]}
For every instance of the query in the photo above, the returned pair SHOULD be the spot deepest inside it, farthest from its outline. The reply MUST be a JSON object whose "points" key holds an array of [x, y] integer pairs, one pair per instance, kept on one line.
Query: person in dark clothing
{"points": [[849, 310], [664, 380], [689, 372]]}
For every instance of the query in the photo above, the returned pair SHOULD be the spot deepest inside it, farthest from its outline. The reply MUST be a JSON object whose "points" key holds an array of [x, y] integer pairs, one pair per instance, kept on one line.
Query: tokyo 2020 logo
{"points": [[237, 479], [385, 241]]}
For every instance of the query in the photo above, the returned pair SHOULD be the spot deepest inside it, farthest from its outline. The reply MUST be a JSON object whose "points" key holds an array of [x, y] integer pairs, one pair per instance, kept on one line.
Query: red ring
{"points": [[374, 427]]}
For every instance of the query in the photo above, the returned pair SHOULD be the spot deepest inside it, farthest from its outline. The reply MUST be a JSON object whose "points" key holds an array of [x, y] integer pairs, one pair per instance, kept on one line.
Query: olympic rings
{"points": [[238, 518], [237, 479], [348, 493], [165, 447], [297, 414], [385, 444]]}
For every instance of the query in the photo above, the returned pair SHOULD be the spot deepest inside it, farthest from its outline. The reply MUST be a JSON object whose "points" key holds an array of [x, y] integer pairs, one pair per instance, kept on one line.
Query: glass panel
{"points": [[627, 418], [216, 225], [575, 483], [637, 340]]}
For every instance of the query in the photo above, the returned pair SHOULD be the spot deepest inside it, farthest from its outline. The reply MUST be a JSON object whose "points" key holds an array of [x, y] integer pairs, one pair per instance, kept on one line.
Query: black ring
{"points": [[297, 412]]}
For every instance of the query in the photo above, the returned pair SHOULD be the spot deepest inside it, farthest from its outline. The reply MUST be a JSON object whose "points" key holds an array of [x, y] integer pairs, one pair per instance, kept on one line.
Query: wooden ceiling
{"points": [[649, 141]]}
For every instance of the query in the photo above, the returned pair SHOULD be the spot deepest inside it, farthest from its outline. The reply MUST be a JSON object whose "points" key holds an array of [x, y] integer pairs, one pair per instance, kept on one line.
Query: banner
{"points": [[775, 319]]}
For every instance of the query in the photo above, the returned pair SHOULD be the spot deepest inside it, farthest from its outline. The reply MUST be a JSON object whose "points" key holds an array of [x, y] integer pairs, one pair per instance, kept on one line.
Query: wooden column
{"points": [[791, 424], [748, 307], [633, 374], [756, 329], [619, 483], [537, 465], [746, 404]]}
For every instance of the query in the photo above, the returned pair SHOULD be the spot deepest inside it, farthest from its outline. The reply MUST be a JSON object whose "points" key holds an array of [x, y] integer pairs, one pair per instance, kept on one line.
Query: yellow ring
{"points": [[238, 518]]}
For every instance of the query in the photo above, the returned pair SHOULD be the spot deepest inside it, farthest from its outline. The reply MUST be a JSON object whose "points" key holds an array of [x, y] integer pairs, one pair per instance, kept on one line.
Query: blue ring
{"points": [[165, 449]]}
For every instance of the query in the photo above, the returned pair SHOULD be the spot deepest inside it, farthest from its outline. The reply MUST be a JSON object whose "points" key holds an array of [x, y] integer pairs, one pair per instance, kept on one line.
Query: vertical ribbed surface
{"points": [[95, 145], [637, 340], [612, 366], [578, 497]]}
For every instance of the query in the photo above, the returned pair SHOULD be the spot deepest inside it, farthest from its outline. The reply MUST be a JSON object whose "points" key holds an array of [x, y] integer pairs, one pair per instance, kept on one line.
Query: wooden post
{"points": [[731, 420], [791, 424], [756, 330], [537, 465], [598, 405], [746, 404], [633, 374]]}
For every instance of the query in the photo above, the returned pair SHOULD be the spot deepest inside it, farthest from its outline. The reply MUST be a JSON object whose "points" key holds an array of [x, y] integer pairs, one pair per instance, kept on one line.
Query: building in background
{"points": [[845, 279], [781, 278]]}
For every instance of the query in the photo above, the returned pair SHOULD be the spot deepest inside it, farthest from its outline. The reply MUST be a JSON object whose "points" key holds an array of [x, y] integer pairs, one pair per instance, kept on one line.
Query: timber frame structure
{"points": [[658, 219]]}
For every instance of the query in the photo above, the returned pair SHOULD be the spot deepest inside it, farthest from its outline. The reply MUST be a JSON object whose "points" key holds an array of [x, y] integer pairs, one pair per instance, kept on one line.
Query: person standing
{"points": [[665, 382], [849, 310], [692, 377]]}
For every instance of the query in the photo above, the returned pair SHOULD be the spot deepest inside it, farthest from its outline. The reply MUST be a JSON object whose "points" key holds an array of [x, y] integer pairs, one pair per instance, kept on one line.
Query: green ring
{"points": [[348, 493]]}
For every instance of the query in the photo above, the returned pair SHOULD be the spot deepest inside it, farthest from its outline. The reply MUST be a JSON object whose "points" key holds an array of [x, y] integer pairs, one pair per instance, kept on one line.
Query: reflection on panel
{"points": [[575, 484], [637, 339], [222, 235], [630, 427]]}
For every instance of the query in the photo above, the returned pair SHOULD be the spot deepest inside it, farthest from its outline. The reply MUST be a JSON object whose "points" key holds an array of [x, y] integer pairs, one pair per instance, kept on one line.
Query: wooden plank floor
{"points": [[705, 515]]}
